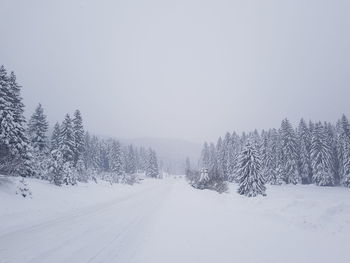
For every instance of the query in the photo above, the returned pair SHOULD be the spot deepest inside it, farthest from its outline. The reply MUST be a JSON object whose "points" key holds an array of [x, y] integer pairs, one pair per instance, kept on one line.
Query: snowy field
{"points": [[168, 221]]}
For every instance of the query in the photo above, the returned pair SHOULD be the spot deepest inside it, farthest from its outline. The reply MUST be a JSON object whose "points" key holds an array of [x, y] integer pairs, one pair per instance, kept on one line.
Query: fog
{"points": [[187, 69]]}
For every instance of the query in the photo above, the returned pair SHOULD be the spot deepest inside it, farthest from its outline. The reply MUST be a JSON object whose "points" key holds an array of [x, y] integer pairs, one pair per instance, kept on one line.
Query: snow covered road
{"points": [[106, 232], [168, 221]]}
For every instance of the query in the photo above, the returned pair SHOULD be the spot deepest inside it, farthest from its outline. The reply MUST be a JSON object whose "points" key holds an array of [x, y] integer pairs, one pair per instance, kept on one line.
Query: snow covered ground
{"points": [[168, 221]]}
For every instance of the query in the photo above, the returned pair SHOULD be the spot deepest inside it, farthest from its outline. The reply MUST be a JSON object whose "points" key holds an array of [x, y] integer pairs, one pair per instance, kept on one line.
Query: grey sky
{"points": [[184, 69]]}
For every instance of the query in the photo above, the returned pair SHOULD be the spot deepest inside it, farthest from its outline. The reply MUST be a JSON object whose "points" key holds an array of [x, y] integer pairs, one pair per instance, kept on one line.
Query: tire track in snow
{"points": [[73, 215], [86, 228]]}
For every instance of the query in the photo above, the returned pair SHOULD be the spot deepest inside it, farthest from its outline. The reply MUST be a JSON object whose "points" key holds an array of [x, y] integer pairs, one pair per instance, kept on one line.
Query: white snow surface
{"points": [[169, 221]]}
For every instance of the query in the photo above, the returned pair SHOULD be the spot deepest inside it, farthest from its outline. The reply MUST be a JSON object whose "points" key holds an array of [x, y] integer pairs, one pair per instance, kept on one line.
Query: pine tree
{"points": [[137, 159], [290, 153], [203, 179], [23, 188], [210, 176], [95, 154], [346, 165], [143, 159], [251, 182], [22, 142], [343, 150], [15, 94], [116, 161], [275, 147], [15, 151], [78, 132], [188, 172], [220, 157], [205, 157], [103, 151], [332, 142], [266, 156], [87, 151], [62, 154], [152, 165], [37, 129], [213, 164], [80, 171], [7, 123], [233, 149], [69, 175], [66, 139], [225, 155], [130, 160], [255, 136], [304, 138], [55, 137], [56, 167], [321, 157]]}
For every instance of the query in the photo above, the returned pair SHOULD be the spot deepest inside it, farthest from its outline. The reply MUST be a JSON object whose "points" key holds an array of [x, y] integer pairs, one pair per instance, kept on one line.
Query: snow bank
{"points": [[49, 201], [292, 224]]}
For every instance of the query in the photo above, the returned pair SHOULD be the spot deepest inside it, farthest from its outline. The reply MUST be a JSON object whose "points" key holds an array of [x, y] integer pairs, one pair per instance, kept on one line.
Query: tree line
{"points": [[70, 154], [313, 153]]}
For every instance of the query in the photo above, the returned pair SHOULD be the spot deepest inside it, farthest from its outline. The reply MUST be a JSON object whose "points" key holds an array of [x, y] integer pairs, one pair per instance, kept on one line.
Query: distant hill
{"points": [[172, 152]]}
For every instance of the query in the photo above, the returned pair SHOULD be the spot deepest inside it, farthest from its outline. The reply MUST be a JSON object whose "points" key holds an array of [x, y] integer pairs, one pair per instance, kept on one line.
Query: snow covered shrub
{"points": [[80, 171], [251, 181], [204, 180], [276, 177], [41, 165], [204, 177], [56, 167], [23, 189], [105, 176], [346, 181], [210, 176], [61, 172], [111, 177], [128, 178], [193, 176], [220, 186], [92, 174], [69, 174]]}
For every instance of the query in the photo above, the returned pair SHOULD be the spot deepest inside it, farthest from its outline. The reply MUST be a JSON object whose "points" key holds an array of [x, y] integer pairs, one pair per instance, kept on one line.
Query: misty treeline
{"points": [[312, 153], [69, 154]]}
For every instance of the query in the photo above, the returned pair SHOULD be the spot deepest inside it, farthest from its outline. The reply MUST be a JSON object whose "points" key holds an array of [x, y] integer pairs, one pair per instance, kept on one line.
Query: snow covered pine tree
{"points": [[55, 137], [343, 145], [37, 129], [290, 153], [304, 136], [78, 134], [152, 169], [66, 147], [116, 163], [15, 156], [251, 181], [321, 157]]}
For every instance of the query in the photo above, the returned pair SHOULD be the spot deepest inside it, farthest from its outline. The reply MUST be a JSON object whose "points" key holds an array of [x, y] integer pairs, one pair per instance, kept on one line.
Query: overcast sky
{"points": [[183, 68]]}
